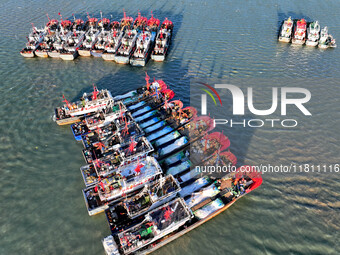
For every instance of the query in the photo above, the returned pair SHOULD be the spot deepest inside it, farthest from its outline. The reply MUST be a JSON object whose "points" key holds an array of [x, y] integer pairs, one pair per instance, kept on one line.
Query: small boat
{"points": [[89, 103], [73, 41], [299, 37], [313, 34], [126, 180], [102, 39], [163, 40], [90, 38], [326, 40], [127, 47], [144, 45], [113, 42], [286, 31]]}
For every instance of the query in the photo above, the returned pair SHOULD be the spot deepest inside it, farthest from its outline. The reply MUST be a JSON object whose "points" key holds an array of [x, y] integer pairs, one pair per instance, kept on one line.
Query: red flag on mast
{"points": [[147, 79], [95, 92]]}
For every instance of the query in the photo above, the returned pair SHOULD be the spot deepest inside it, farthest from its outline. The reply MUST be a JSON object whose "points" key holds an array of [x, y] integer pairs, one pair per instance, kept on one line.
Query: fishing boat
{"points": [[125, 50], [125, 212], [199, 207], [113, 42], [35, 37], [143, 48], [107, 134], [137, 147], [126, 180], [299, 37], [102, 39], [60, 38], [326, 40], [44, 47], [163, 40], [73, 41], [74, 112], [286, 30], [313, 34], [97, 121], [90, 38]]}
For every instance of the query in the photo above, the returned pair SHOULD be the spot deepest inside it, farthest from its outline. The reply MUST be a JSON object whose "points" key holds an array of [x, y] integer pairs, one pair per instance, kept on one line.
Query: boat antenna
{"points": [[48, 17], [74, 17]]}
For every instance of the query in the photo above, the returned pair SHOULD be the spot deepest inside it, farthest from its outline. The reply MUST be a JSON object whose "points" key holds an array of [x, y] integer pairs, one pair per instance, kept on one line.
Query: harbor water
{"points": [[42, 208]]}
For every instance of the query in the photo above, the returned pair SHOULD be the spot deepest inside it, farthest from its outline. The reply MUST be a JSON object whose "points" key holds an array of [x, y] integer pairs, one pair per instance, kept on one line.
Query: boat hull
{"points": [[298, 42], [84, 53], [323, 46], [68, 56], [97, 53], [68, 121], [284, 39], [108, 56], [54, 54], [158, 58], [41, 54], [122, 60], [312, 43], [27, 54], [138, 62]]}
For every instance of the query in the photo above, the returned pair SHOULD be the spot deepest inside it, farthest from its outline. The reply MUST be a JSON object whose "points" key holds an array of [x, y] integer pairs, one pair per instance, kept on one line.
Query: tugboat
{"points": [[89, 103], [113, 42], [326, 40], [299, 37], [286, 31], [163, 40], [102, 39], [73, 41], [90, 38], [313, 34], [34, 38]]}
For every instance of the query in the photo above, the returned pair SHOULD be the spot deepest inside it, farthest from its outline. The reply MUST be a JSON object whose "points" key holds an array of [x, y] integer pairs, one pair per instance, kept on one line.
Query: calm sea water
{"points": [[42, 209]]}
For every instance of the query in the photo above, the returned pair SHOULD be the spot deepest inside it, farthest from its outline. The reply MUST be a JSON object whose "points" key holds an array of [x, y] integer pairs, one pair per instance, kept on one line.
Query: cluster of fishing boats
{"points": [[142, 150], [128, 41], [301, 32]]}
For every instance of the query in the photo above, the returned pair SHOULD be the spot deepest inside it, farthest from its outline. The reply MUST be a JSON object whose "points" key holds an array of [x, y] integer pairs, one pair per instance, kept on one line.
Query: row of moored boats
{"points": [[302, 32], [141, 151], [128, 41]]}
